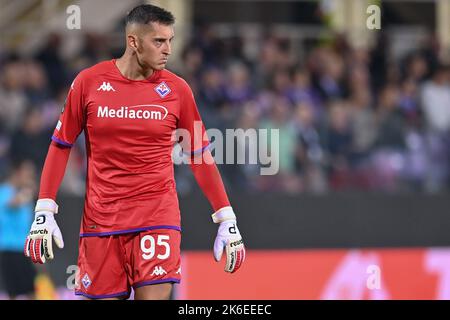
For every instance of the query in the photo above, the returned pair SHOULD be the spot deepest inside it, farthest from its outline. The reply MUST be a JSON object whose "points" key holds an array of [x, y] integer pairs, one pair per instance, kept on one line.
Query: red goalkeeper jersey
{"points": [[129, 128]]}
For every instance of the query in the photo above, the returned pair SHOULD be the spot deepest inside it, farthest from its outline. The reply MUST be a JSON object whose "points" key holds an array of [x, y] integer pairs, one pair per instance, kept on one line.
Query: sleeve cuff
{"points": [[46, 205], [63, 143], [198, 151], [223, 214]]}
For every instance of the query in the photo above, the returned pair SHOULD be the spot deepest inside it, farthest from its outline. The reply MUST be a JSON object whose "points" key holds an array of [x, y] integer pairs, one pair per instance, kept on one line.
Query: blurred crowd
{"points": [[349, 119]]}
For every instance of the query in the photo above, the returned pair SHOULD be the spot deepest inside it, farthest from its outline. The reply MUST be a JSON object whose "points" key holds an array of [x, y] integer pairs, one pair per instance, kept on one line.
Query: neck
{"points": [[130, 68]]}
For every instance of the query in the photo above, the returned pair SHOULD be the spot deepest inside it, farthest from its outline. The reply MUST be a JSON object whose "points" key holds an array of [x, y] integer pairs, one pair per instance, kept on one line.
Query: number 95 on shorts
{"points": [[110, 265]]}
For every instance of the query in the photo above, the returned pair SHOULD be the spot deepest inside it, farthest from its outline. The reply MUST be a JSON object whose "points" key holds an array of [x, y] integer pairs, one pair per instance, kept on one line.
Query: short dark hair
{"points": [[146, 13]]}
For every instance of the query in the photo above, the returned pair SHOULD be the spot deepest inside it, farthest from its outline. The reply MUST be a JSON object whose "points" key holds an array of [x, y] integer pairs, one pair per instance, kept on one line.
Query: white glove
{"points": [[38, 245], [228, 237]]}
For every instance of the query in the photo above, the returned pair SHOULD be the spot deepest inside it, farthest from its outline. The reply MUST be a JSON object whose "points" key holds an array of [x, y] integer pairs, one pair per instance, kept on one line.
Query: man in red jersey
{"points": [[129, 109]]}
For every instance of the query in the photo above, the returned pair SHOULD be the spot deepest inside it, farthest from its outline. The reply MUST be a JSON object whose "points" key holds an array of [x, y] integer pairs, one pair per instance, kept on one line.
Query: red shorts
{"points": [[110, 265]]}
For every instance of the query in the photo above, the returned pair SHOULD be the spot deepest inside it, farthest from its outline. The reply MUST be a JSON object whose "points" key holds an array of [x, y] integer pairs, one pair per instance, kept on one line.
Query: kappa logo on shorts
{"points": [[158, 271], [162, 89], [86, 281], [178, 271]]}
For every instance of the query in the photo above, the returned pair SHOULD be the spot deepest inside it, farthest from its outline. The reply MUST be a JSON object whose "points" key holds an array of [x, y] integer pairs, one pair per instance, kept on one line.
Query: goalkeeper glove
{"points": [[38, 245], [228, 238]]}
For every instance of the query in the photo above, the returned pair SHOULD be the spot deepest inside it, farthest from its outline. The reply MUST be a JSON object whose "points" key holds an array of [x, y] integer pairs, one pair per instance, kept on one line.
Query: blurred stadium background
{"points": [[364, 120]]}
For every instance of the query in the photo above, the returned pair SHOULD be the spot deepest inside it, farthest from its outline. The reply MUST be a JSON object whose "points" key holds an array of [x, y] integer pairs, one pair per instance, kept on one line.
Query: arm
{"points": [[228, 236], [39, 243], [195, 143], [53, 171], [208, 178]]}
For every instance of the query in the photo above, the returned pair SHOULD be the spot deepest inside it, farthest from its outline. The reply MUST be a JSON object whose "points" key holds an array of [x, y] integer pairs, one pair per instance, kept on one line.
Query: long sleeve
{"points": [[70, 124], [53, 171], [208, 178]]}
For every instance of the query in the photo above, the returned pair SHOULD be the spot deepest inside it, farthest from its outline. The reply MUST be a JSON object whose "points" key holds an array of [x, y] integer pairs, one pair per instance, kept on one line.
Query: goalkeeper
{"points": [[129, 109]]}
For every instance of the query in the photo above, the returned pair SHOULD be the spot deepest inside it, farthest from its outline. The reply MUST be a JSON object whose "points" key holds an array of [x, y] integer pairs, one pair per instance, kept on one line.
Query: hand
{"points": [[39, 245], [228, 238]]}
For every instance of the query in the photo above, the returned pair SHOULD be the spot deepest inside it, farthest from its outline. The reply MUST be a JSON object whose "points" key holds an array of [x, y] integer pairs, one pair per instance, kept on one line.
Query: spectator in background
{"points": [[391, 124], [363, 131], [279, 119], [246, 176], [302, 91], [435, 101], [13, 100], [309, 151], [269, 59], [388, 156], [329, 79], [238, 89], [95, 48], [338, 144], [363, 124], [51, 108], [54, 65], [211, 96], [208, 42], [409, 101], [36, 84], [31, 140], [190, 68], [416, 68], [4, 154], [281, 83], [16, 214], [378, 62]]}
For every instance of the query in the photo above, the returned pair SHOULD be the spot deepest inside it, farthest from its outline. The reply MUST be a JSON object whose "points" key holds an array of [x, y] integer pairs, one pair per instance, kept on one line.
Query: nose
{"points": [[167, 48]]}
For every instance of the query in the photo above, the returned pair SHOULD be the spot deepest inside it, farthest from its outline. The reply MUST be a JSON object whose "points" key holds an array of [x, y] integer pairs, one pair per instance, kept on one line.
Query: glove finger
{"points": [[32, 255], [33, 251], [231, 258], [218, 249], [39, 254], [57, 236], [47, 247], [26, 248], [239, 260]]}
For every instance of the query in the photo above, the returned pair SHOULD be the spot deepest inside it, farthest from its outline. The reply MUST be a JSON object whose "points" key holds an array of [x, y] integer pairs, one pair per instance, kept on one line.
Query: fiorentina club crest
{"points": [[162, 89], [86, 281]]}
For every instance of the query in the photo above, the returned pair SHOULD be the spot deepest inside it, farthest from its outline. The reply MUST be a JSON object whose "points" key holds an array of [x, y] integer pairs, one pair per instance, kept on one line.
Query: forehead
{"points": [[158, 30]]}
